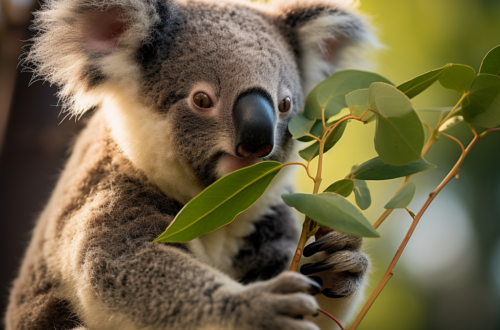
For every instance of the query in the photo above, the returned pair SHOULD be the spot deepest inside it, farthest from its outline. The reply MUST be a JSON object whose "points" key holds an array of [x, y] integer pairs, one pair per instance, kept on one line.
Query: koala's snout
{"points": [[254, 119]]}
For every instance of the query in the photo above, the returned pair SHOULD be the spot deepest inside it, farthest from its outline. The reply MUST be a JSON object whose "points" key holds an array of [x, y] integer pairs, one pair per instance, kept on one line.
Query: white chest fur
{"points": [[219, 247]]}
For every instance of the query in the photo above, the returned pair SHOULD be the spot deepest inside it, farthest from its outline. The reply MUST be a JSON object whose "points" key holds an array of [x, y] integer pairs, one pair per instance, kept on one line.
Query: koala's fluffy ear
{"points": [[82, 44], [327, 35]]}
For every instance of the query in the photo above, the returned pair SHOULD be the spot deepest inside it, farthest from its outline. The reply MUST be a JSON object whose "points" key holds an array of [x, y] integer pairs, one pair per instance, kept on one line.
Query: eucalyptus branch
{"points": [[414, 224], [310, 227]]}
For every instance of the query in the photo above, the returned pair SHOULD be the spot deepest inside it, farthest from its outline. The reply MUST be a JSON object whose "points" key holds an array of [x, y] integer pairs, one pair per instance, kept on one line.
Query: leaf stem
{"points": [[451, 112], [304, 166], [414, 224], [412, 215], [489, 131], [332, 317], [382, 218], [429, 143], [314, 137], [456, 140], [364, 114], [428, 127], [300, 247], [473, 130]]}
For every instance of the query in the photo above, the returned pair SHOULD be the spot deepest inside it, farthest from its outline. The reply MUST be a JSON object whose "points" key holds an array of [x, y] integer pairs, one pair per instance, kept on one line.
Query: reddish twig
{"points": [[332, 317]]}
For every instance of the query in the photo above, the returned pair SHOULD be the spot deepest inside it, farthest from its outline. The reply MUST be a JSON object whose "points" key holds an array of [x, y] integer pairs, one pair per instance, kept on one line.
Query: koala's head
{"points": [[194, 89]]}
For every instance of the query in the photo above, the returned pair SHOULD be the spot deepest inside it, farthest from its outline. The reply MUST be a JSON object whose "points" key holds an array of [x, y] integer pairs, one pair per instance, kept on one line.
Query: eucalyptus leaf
{"points": [[341, 187], [491, 63], [403, 197], [357, 102], [332, 211], [300, 125], [483, 107], [458, 77], [376, 169], [484, 80], [419, 84], [331, 92], [399, 135], [438, 110], [312, 151], [362, 194], [316, 130], [220, 203]]}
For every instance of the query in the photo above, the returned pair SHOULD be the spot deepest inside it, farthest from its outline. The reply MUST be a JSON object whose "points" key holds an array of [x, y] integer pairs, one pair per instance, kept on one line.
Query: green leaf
{"points": [[357, 102], [313, 150], [458, 77], [483, 81], [491, 63], [419, 84], [316, 130], [376, 169], [300, 125], [403, 197], [332, 211], [362, 194], [330, 93], [220, 203], [399, 136], [342, 187], [434, 110], [482, 105]]}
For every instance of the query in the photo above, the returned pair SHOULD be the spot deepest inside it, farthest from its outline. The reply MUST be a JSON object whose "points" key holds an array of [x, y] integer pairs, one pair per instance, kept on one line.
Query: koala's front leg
{"points": [[158, 286], [336, 262]]}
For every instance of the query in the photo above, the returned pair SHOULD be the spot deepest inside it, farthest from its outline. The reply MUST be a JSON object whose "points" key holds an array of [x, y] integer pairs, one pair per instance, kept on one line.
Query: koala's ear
{"points": [[80, 45], [326, 35]]}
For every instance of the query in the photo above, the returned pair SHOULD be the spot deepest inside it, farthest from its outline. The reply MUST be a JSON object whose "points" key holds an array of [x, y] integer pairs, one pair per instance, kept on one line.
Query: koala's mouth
{"points": [[229, 163]]}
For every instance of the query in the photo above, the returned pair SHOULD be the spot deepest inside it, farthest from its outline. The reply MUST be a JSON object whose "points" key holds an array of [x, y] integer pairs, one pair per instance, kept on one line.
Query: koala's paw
{"points": [[280, 303], [343, 269]]}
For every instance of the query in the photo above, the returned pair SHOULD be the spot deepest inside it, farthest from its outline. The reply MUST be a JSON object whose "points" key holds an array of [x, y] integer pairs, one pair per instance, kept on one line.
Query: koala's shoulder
{"points": [[102, 192]]}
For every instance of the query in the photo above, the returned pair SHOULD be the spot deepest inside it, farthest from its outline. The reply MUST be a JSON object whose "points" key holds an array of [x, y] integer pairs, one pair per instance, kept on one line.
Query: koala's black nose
{"points": [[254, 119]]}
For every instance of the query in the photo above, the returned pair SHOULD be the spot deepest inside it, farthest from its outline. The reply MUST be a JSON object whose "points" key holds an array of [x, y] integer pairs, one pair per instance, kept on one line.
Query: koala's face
{"points": [[235, 86], [193, 90]]}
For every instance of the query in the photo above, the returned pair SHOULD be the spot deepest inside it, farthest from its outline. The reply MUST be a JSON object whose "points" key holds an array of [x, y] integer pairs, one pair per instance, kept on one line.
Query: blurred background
{"points": [[449, 275]]}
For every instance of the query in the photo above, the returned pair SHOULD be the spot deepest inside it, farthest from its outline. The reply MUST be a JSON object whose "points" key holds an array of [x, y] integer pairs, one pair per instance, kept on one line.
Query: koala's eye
{"points": [[202, 100], [285, 104]]}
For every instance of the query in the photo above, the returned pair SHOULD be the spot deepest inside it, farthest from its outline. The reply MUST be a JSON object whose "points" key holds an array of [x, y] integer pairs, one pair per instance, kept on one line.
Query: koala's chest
{"points": [[220, 248]]}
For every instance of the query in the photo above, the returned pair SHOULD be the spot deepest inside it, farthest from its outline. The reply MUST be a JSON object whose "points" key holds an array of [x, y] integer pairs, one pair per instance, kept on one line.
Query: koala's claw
{"points": [[341, 261], [280, 303], [342, 272], [332, 242], [291, 283]]}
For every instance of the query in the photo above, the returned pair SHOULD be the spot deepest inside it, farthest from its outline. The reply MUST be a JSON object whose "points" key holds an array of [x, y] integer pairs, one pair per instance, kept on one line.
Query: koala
{"points": [[183, 92]]}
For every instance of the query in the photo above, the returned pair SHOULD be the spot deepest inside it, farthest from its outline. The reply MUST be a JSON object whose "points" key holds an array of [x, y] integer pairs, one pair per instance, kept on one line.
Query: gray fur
{"points": [[146, 152]]}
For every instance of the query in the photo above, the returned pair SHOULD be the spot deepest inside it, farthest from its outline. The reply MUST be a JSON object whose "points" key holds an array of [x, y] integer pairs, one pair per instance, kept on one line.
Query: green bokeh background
{"points": [[449, 277]]}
